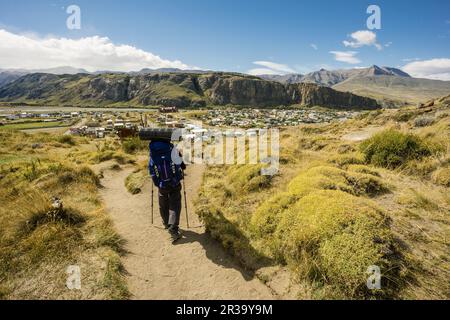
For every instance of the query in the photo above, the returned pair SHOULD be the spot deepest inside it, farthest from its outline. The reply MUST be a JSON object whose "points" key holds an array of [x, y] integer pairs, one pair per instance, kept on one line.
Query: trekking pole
{"points": [[185, 203], [152, 201]]}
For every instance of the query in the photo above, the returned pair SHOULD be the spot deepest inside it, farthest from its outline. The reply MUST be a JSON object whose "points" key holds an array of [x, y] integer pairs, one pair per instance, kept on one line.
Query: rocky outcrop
{"points": [[244, 91], [308, 94], [175, 89]]}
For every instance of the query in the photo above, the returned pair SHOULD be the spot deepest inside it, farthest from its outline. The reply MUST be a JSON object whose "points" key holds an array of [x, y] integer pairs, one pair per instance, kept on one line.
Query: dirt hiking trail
{"points": [[197, 267]]}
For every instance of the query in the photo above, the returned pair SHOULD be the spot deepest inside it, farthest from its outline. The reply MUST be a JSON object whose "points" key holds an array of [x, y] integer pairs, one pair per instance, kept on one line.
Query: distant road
{"points": [[4, 109], [49, 130], [62, 130]]}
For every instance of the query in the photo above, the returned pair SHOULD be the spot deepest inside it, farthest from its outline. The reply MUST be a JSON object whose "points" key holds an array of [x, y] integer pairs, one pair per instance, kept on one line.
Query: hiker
{"points": [[167, 170]]}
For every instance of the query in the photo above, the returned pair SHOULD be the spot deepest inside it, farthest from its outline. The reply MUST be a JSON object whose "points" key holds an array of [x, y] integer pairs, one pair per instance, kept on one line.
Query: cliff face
{"points": [[174, 89], [240, 90], [309, 94]]}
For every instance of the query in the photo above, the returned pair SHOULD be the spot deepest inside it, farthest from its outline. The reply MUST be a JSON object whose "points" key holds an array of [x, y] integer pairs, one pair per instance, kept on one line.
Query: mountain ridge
{"points": [[173, 89], [333, 77]]}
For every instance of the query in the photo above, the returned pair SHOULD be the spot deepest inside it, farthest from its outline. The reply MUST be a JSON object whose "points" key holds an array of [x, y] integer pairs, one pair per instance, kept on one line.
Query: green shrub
{"points": [[331, 178], [391, 149], [334, 236], [323, 230], [267, 217], [133, 145], [67, 139], [247, 178]]}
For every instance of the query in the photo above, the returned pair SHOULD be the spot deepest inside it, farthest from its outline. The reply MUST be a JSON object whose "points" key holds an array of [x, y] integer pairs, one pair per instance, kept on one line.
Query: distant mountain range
{"points": [[9, 75], [391, 87], [330, 78], [178, 89]]}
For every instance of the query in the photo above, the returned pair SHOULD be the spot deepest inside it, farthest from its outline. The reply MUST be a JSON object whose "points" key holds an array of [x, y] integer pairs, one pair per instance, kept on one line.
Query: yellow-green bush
{"points": [[363, 169], [267, 217], [247, 178], [323, 230], [331, 178], [332, 236], [392, 149], [346, 256]]}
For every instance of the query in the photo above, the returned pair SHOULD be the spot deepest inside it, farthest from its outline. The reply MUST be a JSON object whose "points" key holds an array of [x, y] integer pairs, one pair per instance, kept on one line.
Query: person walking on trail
{"points": [[167, 170]]}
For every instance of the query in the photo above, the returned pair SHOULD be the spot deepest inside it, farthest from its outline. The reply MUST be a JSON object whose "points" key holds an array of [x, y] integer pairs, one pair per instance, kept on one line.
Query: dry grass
{"points": [[330, 213], [135, 181], [38, 242]]}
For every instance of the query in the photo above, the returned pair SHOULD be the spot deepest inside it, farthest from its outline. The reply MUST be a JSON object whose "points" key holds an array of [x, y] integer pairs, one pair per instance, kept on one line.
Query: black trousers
{"points": [[170, 206]]}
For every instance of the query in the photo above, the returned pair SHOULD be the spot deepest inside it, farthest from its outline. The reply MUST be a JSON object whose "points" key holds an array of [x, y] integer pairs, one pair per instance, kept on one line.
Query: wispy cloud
{"points": [[346, 56], [438, 69], [314, 46], [363, 38], [91, 53], [270, 68], [410, 59]]}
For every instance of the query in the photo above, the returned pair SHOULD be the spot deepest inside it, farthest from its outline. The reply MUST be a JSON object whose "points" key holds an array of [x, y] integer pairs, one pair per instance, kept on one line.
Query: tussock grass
{"points": [[335, 209], [103, 156], [67, 139], [331, 178], [391, 149], [135, 181], [247, 178], [363, 169], [332, 237], [442, 177], [38, 242], [305, 225], [133, 145]]}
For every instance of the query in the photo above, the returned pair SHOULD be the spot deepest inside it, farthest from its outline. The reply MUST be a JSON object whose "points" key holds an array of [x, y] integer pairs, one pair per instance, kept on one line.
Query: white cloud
{"points": [[270, 68], [438, 69], [314, 46], [260, 71], [91, 53], [387, 45], [275, 66], [346, 56], [410, 59], [363, 38]]}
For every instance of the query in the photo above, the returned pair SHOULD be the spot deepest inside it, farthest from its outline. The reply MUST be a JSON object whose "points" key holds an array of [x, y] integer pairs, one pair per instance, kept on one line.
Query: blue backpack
{"points": [[163, 170]]}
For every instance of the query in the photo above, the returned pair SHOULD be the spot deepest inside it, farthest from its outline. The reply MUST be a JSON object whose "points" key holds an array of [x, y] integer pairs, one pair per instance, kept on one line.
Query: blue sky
{"points": [[231, 35]]}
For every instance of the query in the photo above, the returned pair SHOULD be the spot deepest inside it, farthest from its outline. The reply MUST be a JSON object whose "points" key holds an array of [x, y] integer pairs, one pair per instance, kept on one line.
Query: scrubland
{"points": [[339, 206], [39, 242]]}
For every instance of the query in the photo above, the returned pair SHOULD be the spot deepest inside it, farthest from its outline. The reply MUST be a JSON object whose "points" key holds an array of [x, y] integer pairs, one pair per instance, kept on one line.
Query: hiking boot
{"points": [[175, 235]]}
